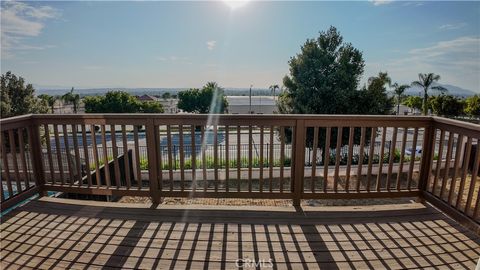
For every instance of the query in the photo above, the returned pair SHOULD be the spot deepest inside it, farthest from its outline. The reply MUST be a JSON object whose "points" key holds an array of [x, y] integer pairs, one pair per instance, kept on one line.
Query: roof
{"points": [[147, 98]]}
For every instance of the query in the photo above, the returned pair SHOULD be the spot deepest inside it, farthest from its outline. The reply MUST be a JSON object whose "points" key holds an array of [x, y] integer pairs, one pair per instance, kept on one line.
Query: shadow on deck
{"points": [[56, 233]]}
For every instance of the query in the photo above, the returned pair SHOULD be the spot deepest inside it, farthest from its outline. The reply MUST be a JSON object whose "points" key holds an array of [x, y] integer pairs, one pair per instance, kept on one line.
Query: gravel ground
{"points": [[266, 202]]}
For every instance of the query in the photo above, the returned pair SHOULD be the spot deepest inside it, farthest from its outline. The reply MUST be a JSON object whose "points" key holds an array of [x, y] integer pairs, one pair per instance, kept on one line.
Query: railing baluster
{"points": [[402, 158], [380, 160], [250, 151], [270, 161], [337, 158], [95, 154], [439, 161], [67, 153], [239, 173], [349, 159], [215, 156], [193, 154], [326, 158], [282, 156], [314, 159], [158, 157], [227, 158], [77, 155], [49, 152], [6, 166], [458, 152], [393, 145], [182, 157], [371, 152], [59, 154], [170, 157], [451, 137], [412, 158], [22, 158], [106, 167], [116, 165], [473, 178], [260, 181], [360, 158], [13, 152], [204, 158], [126, 158], [137, 157], [466, 161], [85, 154]]}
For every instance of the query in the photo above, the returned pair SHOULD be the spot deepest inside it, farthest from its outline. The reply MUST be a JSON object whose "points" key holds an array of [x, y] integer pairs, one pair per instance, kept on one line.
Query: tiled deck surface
{"points": [[67, 234]]}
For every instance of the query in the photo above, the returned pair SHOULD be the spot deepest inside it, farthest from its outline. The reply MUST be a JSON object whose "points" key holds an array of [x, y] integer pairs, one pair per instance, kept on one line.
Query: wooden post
{"points": [[299, 159], [37, 158], [152, 152], [427, 157]]}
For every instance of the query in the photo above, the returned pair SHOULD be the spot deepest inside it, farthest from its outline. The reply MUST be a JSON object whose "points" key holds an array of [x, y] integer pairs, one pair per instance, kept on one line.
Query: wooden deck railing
{"points": [[351, 157]]}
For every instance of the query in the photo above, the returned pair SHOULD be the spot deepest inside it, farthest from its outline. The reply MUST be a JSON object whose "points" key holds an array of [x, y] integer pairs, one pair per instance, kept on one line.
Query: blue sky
{"points": [[185, 44]]}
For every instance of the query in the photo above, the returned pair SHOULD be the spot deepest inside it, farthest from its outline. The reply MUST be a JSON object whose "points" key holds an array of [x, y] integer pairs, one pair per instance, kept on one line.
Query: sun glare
{"points": [[234, 4]]}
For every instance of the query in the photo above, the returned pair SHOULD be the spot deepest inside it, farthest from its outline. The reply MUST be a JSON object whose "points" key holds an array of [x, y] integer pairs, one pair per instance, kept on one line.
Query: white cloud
{"points": [[21, 21], [452, 26], [381, 2], [456, 60], [211, 44]]}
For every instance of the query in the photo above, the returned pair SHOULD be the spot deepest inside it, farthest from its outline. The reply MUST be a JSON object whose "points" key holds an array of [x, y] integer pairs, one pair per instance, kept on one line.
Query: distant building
{"points": [[260, 105], [169, 105], [147, 98]]}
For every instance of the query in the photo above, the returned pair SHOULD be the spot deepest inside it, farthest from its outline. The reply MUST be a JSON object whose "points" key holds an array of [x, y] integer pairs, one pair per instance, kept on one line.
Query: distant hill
{"points": [[452, 90], [143, 91]]}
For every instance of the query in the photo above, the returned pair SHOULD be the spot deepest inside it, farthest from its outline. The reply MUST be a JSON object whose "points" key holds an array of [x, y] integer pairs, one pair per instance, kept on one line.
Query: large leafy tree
{"points": [[324, 78], [426, 81], [210, 99], [399, 91], [119, 102], [446, 105], [18, 98], [472, 106]]}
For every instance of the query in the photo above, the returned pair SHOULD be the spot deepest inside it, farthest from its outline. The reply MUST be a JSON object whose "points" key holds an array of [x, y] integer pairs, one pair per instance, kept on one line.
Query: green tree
{"points": [[120, 102], [399, 91], [413, 102], [50, 100], [16, 98], [324, 78], [112, 102], [210, 99], [151, 107], [472, 106], [166, 95], [425, 81], [71, 98], [446, 105]]}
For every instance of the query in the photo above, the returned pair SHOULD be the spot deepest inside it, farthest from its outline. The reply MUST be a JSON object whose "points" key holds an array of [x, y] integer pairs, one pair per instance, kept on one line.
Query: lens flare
{"points": [[234, 4]]}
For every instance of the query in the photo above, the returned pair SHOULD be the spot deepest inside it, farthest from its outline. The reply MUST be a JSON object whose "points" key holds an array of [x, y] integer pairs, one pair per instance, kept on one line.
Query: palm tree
{"points": [[71, 98], [399, 90], [272, 88], [425, 81]]}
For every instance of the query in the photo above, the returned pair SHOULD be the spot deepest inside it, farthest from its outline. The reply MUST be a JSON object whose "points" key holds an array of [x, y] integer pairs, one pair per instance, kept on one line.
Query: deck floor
{"points": [[67, 234]]}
